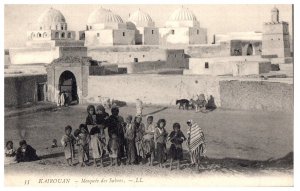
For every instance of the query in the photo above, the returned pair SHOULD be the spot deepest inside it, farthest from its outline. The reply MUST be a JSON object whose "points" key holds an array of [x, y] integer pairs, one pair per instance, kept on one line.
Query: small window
{"points": [[152, 31], [39, 35], [41, 28], [136, 60], [63, 35], [90, 27], [123, 33], [98, 34], [62, 27], [56, 35], [69, 35], [206, 65], [278, 38], [129, 55], [143, 56], [197, 31], [172, 31], [271, 39]]}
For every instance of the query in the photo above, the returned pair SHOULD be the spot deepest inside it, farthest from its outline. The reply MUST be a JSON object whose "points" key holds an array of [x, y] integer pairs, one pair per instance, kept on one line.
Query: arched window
{"points": [[32, 35], [41, 28], [45, 35], [82, 37], [39, 35], [69, 35], [90, 27], [56, 34], [62, 27], [63, 35]]}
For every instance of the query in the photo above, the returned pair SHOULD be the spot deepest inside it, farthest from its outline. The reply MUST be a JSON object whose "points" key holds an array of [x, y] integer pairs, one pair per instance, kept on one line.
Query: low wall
{"points": [[256, 95], [152, 89], [21, 89]]}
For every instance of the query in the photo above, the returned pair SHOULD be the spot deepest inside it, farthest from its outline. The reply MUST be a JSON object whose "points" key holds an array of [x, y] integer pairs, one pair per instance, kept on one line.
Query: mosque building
{"points": [[182, 27], [49, 40], [146, 32], [275, 39], [105, 28], [135, 46]]}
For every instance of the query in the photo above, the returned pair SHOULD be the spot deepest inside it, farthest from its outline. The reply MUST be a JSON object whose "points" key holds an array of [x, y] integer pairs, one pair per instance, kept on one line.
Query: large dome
{"points": [[140, 16], [51, 16], [103, 16], [182, 14]]}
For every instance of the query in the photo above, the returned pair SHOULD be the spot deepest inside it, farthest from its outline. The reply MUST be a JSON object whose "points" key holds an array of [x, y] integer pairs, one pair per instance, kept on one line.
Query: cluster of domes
{"points": [[52, 17]]}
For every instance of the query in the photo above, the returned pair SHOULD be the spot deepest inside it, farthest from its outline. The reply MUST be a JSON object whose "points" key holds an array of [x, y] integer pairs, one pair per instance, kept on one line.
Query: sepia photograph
{"points": [[146, 94]]}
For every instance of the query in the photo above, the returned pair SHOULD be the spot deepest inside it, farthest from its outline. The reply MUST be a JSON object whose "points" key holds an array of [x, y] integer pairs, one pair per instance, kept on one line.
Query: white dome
{"points": [[182, 14], [139, 17], [51, 16], [103, 16]]}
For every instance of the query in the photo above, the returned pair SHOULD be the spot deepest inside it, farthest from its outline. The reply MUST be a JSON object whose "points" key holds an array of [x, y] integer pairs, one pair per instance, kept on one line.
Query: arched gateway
{"points": [[68, 85]]}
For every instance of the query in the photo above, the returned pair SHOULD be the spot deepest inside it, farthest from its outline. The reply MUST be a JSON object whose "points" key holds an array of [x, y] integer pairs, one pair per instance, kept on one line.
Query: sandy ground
{"points": [[239, 143]]}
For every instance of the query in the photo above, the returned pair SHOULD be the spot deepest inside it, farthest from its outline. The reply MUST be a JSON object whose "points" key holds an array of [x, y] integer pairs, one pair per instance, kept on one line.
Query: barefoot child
{"points": [[97, 145], [113, 149], [148, 138], [130, 140], [83, 140], [68, 142], [139, 128], [160, 137], [176, 138]]}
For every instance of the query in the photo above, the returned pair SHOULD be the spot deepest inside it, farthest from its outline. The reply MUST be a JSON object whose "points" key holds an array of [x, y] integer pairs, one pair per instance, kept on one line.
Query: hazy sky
{"points": [[217, 19]]}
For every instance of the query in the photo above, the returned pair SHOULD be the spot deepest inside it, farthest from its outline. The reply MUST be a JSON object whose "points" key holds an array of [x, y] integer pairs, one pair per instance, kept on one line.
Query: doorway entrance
{"points": [[68, 85]]}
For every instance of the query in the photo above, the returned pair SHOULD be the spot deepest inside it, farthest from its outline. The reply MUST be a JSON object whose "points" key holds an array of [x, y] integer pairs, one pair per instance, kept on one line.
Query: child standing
{"points": [[113, 149], [160, 137], [139, 107], [68, 142], [196, 143], [101, 117], [83, 140], [10, 153], [139, 132], [97, 145], [149, 146], [176, 138], [130, 140], [91, 117]]}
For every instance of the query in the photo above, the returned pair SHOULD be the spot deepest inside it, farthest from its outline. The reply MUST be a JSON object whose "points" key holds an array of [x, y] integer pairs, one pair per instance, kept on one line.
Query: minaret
{"points": [[275, 15], [276, 40]]}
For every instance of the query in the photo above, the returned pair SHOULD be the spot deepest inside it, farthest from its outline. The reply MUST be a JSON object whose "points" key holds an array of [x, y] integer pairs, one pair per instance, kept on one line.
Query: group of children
{"points": [[25, 153], [130, 139]]}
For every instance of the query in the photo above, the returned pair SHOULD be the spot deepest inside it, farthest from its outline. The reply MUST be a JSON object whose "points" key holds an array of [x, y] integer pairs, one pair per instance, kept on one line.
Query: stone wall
{"points": [[257, 95], [20, 90], [152, 89]]}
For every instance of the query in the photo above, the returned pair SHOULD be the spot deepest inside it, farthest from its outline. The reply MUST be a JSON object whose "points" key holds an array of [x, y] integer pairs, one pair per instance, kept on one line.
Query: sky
{"points": [[217, 18]]}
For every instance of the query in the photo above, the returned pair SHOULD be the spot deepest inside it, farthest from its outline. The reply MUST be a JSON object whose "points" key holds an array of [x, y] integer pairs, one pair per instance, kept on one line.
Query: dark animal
{"points": [[183, 103]]}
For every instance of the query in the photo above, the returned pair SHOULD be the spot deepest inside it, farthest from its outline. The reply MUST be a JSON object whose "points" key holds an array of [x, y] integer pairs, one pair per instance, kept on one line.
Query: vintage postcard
{"points": [[148, 94]]}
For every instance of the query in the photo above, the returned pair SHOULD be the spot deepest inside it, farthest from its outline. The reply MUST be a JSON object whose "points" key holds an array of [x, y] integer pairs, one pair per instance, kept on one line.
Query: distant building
{"points": [[51, 39], [105, 28], [182, 28], [145, 31], [276, 39]]}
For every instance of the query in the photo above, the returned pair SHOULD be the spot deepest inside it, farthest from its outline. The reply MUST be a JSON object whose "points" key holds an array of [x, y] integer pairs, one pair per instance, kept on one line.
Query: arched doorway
{"points": [[250, 50], [68, 85]]}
